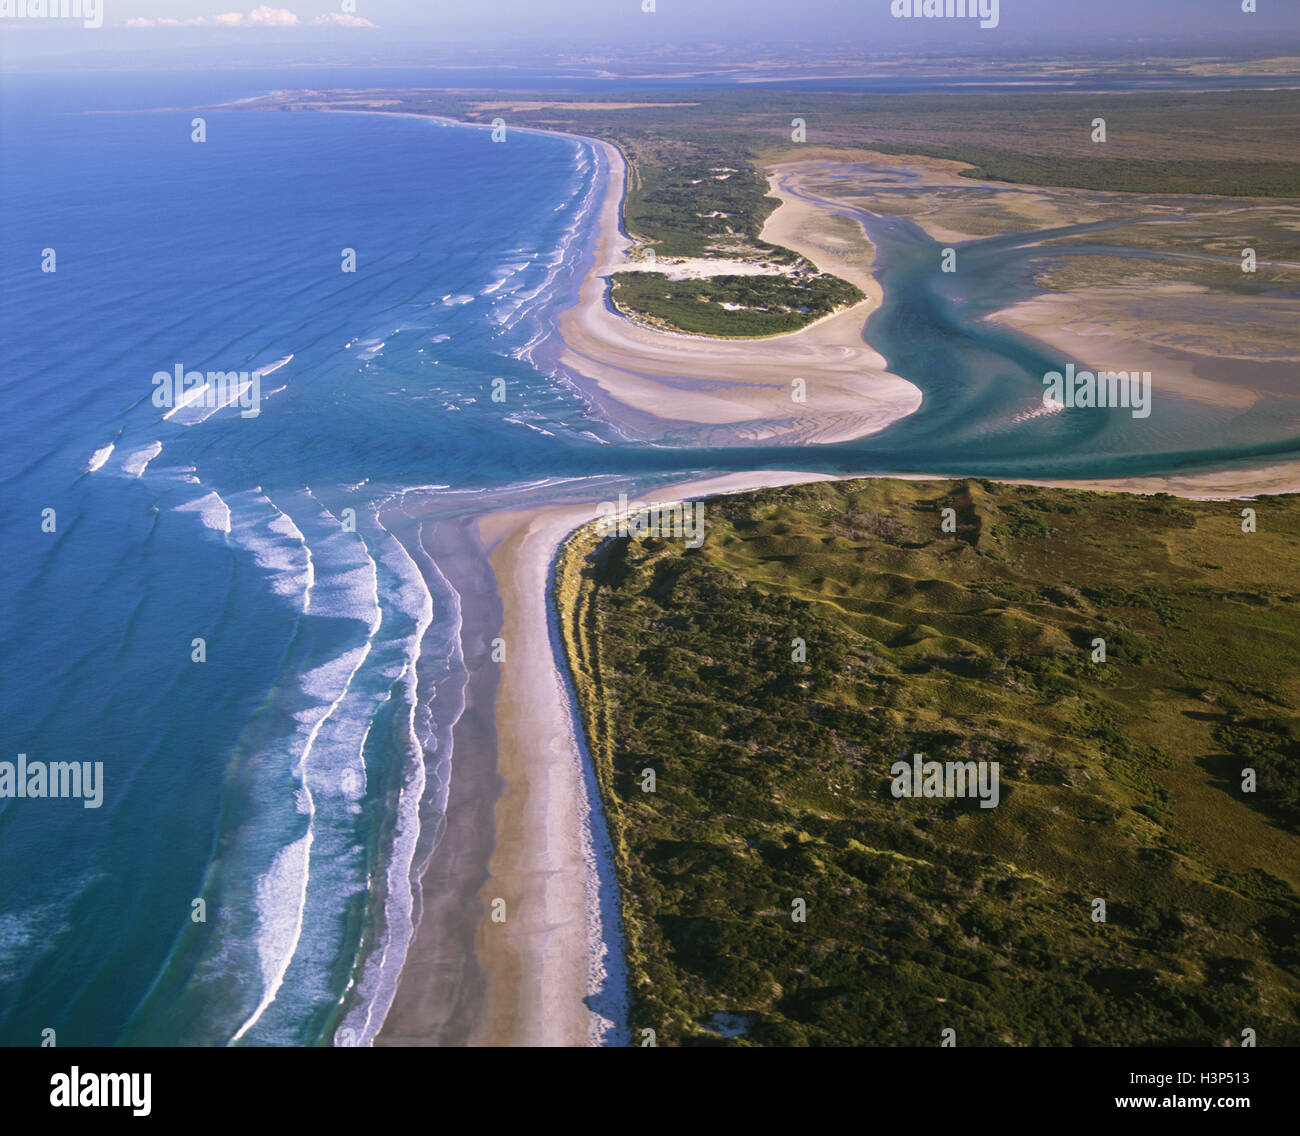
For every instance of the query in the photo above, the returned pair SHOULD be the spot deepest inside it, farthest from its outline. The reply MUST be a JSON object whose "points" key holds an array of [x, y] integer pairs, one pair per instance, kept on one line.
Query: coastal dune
{"points": [[742, 386]]}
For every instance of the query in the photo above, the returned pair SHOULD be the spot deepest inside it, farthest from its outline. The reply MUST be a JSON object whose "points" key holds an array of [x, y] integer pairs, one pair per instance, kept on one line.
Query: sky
{"points": [[865, 24]]}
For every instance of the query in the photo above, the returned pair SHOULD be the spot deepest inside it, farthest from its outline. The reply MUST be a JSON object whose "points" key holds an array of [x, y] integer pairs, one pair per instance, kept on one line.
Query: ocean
{"points": [[217, 607]]}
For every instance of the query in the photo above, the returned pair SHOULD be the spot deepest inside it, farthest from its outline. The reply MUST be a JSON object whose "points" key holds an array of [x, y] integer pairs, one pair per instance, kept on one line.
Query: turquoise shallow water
{"points": [[264, 779]]}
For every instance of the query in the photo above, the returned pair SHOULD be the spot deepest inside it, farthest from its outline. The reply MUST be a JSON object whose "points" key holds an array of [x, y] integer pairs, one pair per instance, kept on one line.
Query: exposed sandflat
{"points": [[740, 383]]}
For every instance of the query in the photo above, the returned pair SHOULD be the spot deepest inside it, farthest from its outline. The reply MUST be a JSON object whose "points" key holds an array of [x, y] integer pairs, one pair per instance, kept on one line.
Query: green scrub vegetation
{"points": [[771, 678]]}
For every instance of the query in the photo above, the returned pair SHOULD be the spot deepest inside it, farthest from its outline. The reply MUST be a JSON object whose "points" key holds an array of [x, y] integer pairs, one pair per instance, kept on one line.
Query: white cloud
{"points": [[263, 16]]}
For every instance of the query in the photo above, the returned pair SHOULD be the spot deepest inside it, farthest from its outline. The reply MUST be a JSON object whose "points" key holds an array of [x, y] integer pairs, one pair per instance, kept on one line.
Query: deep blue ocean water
{"points": [[262, 780]]}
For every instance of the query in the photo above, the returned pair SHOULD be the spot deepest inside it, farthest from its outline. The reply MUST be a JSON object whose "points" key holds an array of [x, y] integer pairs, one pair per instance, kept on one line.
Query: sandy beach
{"points": [[651, 380], [440, 992], [742, 385], [1236, 484]]}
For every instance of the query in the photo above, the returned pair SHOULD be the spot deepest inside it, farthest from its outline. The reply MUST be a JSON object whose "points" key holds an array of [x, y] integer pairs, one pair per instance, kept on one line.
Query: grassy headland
{"points": [[1120, 780]]}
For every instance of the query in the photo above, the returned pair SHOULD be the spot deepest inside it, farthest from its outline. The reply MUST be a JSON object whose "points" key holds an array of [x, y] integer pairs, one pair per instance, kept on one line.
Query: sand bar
{"points": [[743, 384], [1096, 326]]}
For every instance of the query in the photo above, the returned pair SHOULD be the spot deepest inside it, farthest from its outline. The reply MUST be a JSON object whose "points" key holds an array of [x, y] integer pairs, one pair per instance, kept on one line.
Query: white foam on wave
{"points": [[382, 970], [351, 594], [277, 545], [327, 680], [190, 396], [519, 421], [283, 524], [282, 890], [201, 403], [28, 933], [454, 301], [98, 458], [399, 495], [563, 258], [274, 366], [281, 895], [349, 588], [138, 460], [212, 511], [525, 351], [507, 270], [412, 597], [326, 751]]}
